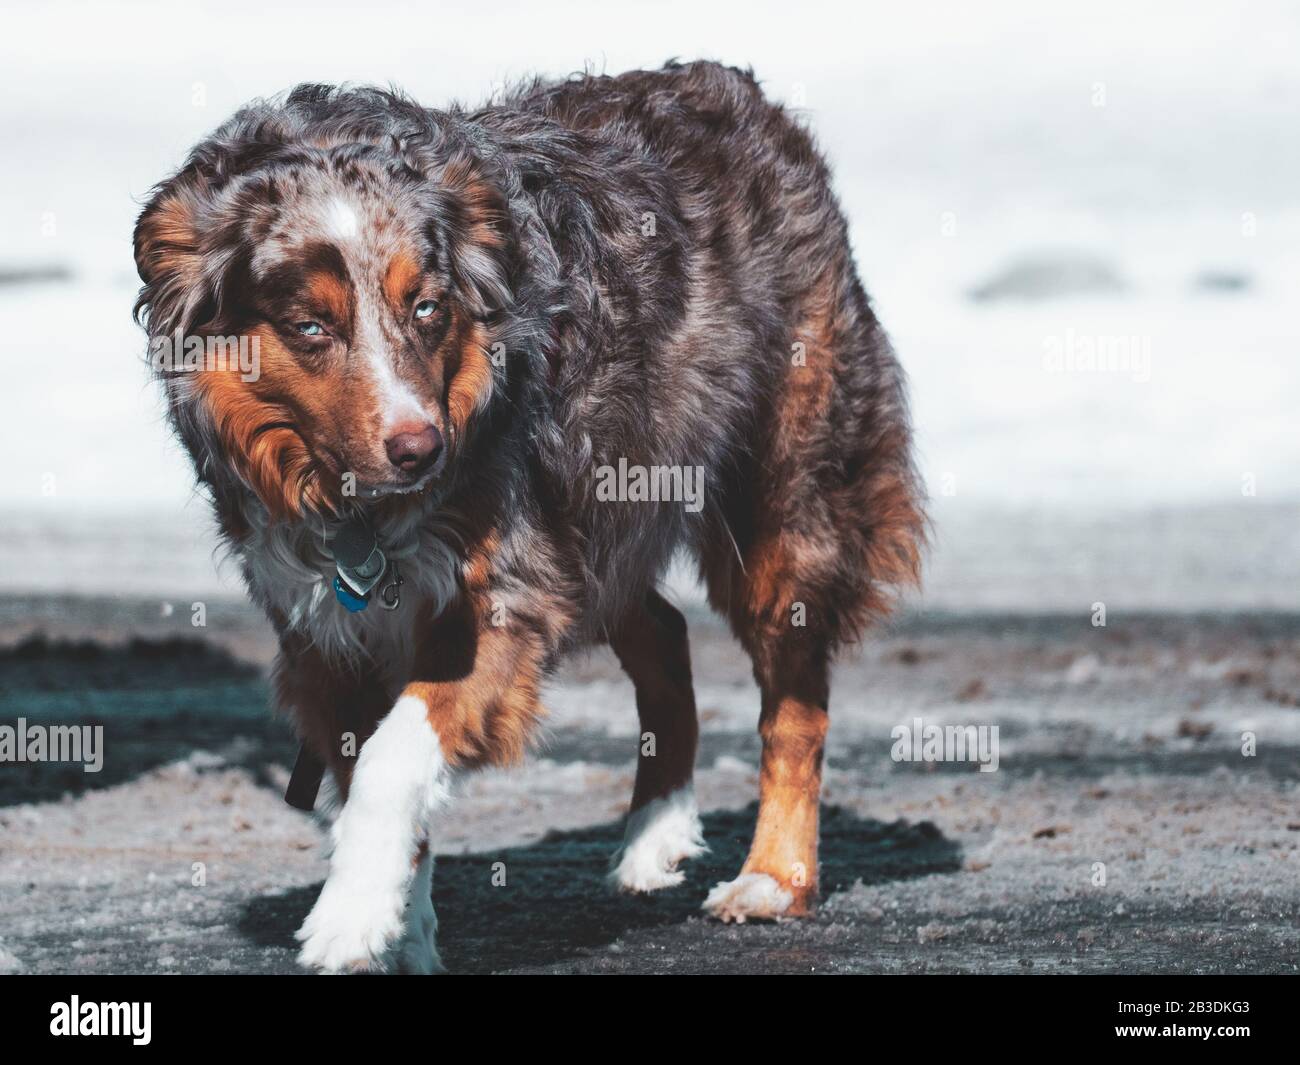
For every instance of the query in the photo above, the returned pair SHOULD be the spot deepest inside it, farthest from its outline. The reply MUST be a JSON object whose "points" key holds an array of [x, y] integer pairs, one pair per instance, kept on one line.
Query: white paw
{"points": [[417, 954], [659, 836], [755, 895], [353, 926], [360, 920]]}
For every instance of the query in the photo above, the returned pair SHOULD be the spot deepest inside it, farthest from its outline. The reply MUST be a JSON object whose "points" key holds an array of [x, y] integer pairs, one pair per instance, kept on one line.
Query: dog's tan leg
{"points": [[779, 878], [663, 826]]}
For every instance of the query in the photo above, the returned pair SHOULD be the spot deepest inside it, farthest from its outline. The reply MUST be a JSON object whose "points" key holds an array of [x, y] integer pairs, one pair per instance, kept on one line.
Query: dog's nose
{"points": [[413, 450]]}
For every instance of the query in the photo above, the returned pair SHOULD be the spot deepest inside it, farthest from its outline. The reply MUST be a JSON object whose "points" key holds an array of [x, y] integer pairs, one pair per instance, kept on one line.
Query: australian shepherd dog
{"points": [[509, 362]]}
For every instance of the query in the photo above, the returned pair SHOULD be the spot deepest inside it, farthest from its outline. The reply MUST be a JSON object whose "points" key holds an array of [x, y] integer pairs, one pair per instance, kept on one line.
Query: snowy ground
{"points": [[1120, 746]]}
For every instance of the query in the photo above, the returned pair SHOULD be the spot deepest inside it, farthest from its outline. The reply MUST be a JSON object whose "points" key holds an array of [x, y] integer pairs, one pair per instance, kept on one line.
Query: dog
{"points": [[511, 361]]}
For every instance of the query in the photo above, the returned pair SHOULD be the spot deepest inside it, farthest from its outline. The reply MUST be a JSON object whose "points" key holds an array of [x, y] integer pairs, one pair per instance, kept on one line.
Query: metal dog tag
{"points": [[359, 562]]}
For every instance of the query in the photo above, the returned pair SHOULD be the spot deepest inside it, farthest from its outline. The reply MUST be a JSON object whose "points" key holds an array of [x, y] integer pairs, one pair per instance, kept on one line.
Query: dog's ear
{"points": [[477, 220], [467, 213], [168, 259]]}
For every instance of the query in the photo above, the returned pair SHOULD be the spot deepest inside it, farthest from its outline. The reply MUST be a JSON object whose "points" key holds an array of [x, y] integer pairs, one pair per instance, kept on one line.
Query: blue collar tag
{"points": [[351, 603], [359, 563]]}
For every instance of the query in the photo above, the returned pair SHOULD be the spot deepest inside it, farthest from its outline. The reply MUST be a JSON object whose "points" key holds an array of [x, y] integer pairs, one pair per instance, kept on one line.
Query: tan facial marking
{"points": [[273, 459], [401, 280], [328, 290], [471, 384]]}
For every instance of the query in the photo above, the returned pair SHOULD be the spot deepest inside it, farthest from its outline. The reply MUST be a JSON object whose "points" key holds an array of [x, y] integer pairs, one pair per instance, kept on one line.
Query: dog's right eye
{"points": [[310, 329]]}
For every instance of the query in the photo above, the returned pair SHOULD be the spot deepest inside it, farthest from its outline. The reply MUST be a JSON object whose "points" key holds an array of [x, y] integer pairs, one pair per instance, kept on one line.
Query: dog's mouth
{"points": [[382, 491], [402, 486]]}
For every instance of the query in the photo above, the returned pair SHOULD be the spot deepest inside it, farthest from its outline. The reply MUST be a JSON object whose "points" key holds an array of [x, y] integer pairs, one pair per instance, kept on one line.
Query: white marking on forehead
{"points": [[341, 220], [397, 402]]}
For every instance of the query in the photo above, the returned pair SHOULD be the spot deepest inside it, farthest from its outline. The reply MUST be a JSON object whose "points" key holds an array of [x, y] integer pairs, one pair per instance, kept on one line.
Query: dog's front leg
{"points": [[472, 700], [380, 842]]}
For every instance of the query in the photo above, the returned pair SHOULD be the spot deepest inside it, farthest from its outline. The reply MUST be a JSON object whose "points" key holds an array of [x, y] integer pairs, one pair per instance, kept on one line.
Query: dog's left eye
{"points": [[425, 308], [310, 329]]}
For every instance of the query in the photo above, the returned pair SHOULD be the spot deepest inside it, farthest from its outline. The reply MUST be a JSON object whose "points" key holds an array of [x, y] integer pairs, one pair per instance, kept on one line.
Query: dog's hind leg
{"points": [[663, 827], [779, 878], [824, 524]]}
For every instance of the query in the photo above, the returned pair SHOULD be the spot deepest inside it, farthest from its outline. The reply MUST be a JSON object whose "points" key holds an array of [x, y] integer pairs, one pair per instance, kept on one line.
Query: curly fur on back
{"points": [[662, 260]]}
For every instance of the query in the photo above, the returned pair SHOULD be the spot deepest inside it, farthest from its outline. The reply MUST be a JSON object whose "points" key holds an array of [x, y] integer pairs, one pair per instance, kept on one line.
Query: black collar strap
{"points": [[361, 566]]}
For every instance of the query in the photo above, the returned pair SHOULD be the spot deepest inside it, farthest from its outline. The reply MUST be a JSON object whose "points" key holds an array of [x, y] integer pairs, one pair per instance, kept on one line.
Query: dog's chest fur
{"points": [[290, 570]]}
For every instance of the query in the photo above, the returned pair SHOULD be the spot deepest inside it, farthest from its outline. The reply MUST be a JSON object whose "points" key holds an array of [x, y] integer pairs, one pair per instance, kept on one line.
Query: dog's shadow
{"points": [[530, 906]]}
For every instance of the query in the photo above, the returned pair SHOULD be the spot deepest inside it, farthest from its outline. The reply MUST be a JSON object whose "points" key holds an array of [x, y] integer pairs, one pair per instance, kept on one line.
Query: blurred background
{"points": [[1022, 184]]}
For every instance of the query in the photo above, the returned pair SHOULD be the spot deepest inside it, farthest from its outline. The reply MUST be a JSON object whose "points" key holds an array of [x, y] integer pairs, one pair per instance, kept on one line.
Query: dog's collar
{"points": [[361, 566]]}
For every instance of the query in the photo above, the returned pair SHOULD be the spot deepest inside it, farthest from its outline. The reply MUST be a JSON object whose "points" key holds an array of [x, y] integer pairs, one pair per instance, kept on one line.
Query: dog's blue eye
{"points": [[425, 308], [310, 329]]}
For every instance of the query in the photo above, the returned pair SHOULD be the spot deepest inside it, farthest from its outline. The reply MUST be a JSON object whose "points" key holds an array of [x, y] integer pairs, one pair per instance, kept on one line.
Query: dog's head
{"points": [[359, 249]]}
